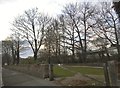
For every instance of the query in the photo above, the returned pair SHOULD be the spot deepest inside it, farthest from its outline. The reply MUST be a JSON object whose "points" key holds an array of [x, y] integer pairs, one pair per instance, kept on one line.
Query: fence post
{"points": [[51, 76], [112, 73], [106, 74]]}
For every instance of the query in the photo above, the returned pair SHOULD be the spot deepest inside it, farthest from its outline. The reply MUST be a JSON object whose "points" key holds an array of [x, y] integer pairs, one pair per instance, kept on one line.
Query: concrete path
{"points": [[13, 78]]}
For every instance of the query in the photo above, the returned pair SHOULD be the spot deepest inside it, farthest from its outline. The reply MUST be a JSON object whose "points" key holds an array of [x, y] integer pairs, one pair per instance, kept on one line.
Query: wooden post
{"points": [[51, 78], [107, 80], [113, 73]]}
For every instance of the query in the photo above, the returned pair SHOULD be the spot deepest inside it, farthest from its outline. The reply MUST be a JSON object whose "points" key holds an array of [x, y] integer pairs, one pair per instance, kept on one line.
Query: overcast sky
{"points": [[9, 9]]}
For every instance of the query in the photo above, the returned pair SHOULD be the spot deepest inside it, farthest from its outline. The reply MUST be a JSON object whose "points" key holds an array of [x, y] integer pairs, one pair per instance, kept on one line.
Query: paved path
{"points": [[13, 78]]}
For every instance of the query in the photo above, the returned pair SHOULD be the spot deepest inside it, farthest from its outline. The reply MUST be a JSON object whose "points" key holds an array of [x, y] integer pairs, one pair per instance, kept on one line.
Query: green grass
{"points": [[87, 70], [58, 71]]}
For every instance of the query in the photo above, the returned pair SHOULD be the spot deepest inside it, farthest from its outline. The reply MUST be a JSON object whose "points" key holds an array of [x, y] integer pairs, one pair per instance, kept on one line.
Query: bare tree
{"points": [[16, 45], [80, 16], [70, 13], [32, 25], [55, 28], [108, 25], [68, 35], [53, 39], [117, 7]]}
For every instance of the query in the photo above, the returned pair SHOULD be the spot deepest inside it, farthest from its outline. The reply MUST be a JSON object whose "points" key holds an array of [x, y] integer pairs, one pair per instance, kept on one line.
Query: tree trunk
{"points": [[73, 50], [35, 55], [73, 56], [13, 54], [18, 57], [85, 39], [59, 46], [81, 58]]}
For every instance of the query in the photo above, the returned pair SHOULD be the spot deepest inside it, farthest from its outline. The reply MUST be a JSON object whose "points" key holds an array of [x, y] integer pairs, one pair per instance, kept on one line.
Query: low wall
{"points": [[39, 70]]}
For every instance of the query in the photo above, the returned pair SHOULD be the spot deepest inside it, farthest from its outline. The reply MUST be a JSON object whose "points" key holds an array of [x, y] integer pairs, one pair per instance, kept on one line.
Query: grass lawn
{"points": [[58, 71], [87, 70]]}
